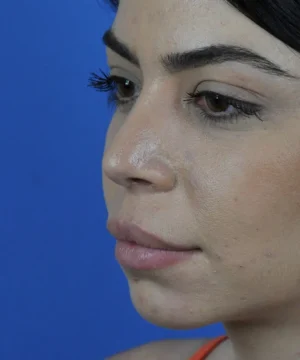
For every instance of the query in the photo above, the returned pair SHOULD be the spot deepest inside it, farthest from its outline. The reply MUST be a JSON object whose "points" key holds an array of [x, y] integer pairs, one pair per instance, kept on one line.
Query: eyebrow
{"points": [[210, 55]]}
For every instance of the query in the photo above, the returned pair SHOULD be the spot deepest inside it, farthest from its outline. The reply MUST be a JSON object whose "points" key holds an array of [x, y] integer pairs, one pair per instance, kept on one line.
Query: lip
{"points": [[129, 232], [139, 249]]}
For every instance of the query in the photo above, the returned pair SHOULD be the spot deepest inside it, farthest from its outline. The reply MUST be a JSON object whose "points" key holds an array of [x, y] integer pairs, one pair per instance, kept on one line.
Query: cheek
{"points": [[268, 189], [249, 201], [248, 212]]}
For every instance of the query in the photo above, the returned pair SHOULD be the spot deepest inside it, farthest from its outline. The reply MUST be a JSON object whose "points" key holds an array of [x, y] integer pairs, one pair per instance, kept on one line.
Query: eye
{"points": [[121, 90], [220, 108], [214, 103], [125, 89]]}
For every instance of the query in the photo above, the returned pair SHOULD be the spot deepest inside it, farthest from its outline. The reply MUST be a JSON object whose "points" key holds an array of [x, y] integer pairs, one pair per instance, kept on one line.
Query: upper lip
{"points": [[129, 232]]}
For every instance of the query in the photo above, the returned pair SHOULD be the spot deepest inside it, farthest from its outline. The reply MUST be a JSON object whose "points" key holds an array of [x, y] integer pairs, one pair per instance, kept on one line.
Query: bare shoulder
{"points": [[165, 349]]}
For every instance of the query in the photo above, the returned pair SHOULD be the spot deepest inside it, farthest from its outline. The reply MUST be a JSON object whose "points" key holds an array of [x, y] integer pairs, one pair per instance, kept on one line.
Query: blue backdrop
{"points": [[58, 298]]}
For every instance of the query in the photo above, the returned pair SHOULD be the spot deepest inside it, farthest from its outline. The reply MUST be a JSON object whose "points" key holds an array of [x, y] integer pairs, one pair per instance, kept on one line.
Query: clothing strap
{"points": [[208, 348]]}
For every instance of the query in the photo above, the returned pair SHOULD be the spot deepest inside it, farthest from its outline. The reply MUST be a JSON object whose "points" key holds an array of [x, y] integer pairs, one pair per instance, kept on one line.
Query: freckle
{"points": [[134, 20], [257, 229], [241, 266], [236, 199], [268, 255], [243, 298]]}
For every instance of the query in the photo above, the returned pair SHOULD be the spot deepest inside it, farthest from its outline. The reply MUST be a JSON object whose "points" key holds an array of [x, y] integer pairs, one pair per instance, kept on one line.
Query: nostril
{"points": [[139, 181]]}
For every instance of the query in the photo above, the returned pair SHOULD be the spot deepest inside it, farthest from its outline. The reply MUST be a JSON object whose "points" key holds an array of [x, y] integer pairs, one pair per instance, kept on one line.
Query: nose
{"points": [[138, 164]]}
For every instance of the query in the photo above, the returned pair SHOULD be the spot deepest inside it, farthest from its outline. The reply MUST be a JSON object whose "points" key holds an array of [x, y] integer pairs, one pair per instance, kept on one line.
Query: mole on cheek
{"points": [[134, 20], [269, 255]]}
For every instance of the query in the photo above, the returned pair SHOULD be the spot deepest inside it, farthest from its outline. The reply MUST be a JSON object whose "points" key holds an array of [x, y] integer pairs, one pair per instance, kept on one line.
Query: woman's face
{"points": [[219, 174]]}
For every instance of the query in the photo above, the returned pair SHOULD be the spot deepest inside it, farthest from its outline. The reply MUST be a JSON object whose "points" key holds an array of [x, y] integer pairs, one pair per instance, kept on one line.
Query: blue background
{"points": [[62, 295]]}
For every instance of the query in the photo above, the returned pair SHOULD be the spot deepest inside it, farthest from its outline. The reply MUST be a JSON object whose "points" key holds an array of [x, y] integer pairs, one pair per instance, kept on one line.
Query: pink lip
{"points": [[141, 250]]}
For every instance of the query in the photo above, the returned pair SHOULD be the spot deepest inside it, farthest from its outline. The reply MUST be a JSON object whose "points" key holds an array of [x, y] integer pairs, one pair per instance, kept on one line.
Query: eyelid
{"points": [[231, 91], [133, 76], [204, 93]]}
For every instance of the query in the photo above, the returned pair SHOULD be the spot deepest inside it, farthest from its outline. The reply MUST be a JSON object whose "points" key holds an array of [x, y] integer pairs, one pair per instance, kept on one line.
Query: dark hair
{"points": [[281, 18]]}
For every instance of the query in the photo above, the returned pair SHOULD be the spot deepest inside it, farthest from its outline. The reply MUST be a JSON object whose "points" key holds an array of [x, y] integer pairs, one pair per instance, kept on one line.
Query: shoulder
{"points": [[166, 349]]}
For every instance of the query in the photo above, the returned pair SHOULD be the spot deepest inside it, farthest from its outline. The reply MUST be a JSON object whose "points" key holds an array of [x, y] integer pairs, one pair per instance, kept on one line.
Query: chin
{"points": [[168, 308]]}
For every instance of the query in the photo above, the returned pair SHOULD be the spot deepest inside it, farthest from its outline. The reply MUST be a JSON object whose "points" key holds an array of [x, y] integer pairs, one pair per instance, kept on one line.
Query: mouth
{"points": [[128, 232], [141, 250]]}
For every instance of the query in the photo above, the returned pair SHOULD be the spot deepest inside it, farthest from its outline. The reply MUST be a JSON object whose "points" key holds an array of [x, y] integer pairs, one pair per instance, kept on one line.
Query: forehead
{"points": [[156, 27]]}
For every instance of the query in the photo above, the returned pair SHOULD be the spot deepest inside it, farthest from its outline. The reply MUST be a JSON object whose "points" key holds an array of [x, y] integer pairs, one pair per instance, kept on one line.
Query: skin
{"points": [[231, 189]]}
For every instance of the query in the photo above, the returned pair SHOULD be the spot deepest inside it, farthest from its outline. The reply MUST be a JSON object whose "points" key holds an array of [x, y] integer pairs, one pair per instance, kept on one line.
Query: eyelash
{"points": [[109, 84]]}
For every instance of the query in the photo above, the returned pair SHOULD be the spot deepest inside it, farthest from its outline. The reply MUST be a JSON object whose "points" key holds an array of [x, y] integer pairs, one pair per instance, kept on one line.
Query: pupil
{"points": [[217, 104], [126, 89]]}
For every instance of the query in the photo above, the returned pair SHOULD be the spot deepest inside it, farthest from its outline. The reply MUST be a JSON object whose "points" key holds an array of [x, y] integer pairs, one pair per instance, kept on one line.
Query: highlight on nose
{"points": [[152, 173]]}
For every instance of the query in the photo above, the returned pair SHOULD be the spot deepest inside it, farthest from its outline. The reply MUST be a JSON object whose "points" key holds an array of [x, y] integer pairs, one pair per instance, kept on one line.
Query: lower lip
{"points": [[138, 257]]}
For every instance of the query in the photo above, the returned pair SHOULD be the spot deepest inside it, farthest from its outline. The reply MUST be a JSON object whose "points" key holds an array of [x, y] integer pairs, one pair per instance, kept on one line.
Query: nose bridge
{"points": [[136, 155]]}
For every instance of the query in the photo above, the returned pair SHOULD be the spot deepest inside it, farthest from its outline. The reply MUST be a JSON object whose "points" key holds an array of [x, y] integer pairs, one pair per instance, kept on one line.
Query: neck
{"points": [[273, 336]]}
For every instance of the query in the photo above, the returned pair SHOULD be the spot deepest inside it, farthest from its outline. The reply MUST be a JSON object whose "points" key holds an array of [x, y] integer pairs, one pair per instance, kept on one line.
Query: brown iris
{"points": [[215, 103], [125, 88]]}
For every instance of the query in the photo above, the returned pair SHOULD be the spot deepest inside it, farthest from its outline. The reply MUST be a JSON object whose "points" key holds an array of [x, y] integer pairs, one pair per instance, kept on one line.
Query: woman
{"points": [[202, 171]]}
